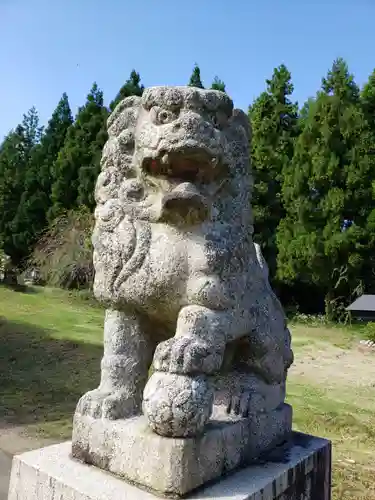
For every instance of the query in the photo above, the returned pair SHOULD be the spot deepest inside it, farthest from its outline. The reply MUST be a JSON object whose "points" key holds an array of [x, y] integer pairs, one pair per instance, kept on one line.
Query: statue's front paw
{"points": [[187, 355], [110, 405]]}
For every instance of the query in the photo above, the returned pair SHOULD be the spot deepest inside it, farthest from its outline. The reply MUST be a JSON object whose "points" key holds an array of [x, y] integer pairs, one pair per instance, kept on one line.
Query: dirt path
{"points": [[331, 366], [14, 440]]}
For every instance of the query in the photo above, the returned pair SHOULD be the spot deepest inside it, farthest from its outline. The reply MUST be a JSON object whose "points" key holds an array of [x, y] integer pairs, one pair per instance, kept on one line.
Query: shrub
{"points": [[309, 319], [369, 331], [64, 253]]}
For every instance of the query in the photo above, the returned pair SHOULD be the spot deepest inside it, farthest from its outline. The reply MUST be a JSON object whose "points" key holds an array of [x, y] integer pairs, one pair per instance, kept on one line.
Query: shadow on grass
{"points": [[42, 378], [20, 288]]}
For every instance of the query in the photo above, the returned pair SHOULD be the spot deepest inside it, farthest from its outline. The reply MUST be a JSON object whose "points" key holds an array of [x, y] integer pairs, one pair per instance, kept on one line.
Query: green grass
{"points": [[50, 355]]}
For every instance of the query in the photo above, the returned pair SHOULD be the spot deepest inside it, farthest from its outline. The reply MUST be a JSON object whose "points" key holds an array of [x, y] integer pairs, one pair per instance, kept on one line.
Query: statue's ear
{"points": [[124, 115], [118, 151], [240, 119]]}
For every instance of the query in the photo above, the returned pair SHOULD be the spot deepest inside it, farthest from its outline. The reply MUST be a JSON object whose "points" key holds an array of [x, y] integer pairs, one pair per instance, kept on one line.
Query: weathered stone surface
{"points": [[5, 468], [177, 405], [129, 449], [173, 250], [185, 287], [303, 473]]}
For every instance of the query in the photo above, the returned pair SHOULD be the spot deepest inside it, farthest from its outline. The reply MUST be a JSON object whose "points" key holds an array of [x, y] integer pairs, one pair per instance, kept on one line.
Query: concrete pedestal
{"points": [[303, 471]]}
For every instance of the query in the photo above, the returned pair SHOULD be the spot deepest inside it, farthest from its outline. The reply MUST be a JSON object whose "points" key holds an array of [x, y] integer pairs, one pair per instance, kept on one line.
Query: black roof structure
{"points": [[363, 303]]}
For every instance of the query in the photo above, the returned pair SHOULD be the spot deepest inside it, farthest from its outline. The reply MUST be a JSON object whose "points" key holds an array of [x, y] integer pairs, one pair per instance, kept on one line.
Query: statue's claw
{"points": [[109, 405], [187, 355]]}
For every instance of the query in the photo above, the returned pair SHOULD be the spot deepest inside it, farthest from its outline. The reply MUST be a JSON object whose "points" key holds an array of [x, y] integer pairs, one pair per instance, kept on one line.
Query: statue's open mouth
{"points": [[187, 171], [194, 165]]}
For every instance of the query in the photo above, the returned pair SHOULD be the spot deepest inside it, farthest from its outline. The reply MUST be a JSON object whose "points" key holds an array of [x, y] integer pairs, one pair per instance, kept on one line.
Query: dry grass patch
{"points": [[332, 387]]}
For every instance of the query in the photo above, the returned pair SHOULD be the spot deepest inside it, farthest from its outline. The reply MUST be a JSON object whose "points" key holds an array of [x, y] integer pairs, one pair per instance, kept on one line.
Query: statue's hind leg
{"points": [[240, 388], [124, 368]]}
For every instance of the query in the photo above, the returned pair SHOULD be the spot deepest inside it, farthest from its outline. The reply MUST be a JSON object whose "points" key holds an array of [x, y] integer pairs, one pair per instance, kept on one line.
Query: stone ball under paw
{"points": [[177, 405]]}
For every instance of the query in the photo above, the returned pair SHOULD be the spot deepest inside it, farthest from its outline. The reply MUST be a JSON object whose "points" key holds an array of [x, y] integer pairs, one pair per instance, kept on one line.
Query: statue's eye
{"points": [[162, 116]]}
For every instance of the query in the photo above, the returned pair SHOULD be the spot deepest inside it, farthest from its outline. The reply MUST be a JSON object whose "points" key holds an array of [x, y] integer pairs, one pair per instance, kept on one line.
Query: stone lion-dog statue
{"points": [[186, 289]]}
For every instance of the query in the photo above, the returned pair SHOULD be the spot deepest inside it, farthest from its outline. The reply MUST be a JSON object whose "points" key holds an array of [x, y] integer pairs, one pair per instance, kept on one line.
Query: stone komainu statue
{"points": [[177, 268]]}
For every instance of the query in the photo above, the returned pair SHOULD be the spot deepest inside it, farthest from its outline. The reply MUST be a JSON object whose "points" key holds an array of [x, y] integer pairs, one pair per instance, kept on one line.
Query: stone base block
{"points": [[169, 466], [50, 473]]}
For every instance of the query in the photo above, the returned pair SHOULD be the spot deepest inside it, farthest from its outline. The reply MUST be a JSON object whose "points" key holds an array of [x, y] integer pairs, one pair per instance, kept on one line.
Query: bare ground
{"points": [[328, 365], [332, 388], [15, 439]]}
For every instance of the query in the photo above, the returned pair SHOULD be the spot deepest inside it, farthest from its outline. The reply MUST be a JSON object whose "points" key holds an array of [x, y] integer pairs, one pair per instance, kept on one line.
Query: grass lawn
{"points": [[50, 355], [332, 390]]}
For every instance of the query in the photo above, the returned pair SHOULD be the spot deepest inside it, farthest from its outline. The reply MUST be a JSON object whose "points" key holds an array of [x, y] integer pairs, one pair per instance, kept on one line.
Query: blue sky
{"points": [[51, 46]]}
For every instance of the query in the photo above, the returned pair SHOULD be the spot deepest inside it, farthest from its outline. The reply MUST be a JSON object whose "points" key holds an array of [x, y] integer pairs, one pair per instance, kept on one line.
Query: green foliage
{"points": [[131, 87], [327, 194], [313, 194], [78, 162], [12, 165], [218, 84], [53, 141], [274, 127], [15, 163], [368, 331], [195, 79], [30, 219], [64, 253], [313, 320], [3, 259], [368, 101], [368, 106]]}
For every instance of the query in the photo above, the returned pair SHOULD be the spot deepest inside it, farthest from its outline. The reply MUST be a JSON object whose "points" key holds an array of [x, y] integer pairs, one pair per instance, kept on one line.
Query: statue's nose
{"points": [[191, 123]]}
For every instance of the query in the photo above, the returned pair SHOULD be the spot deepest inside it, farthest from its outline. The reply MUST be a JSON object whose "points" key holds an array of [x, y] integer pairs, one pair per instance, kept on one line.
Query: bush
{"points": [[369, 331], [309, 319], [64, 253]]}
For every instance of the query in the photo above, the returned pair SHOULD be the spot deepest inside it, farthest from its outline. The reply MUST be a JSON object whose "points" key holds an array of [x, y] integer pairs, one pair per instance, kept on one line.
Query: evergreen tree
{"points": [[368, 101], [77, 165], [274, 128], [32, 131], [368, 97], [368, 107], [15, 159], [12, 163], [195, 79], [131, 87], [218, 84], [31, 216], [53, 141], [304, 112], [327, 193]]}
